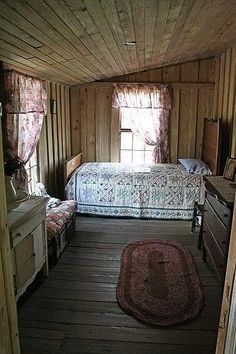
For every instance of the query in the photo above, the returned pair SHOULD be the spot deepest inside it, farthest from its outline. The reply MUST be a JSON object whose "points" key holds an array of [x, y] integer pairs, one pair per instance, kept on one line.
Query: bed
{"points": [[159, 191]]}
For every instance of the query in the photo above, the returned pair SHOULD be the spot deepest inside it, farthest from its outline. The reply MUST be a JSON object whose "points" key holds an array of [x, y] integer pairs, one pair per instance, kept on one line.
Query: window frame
{"points": [[128, 130], [30, 168]]}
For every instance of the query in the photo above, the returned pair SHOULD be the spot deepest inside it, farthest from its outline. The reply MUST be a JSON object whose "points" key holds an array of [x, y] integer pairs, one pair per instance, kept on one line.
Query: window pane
{"points": [[138, 156], [126, 140], [149, 147], [148, 156], [32, 169], [125, 156], [124, 120], [137, 143]]}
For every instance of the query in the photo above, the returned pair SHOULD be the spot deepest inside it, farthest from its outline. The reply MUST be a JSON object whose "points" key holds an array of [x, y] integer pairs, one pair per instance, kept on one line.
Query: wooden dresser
{"points": [[28, 242], [218, 208]]}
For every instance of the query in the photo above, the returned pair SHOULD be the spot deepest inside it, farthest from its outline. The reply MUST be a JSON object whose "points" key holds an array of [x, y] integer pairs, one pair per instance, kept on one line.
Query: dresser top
{"points": [[222, 188], [25, 211]]}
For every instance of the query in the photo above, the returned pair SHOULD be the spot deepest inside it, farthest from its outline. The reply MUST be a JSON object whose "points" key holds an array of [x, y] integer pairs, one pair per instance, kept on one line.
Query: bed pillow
{"points": [[196, 166]]}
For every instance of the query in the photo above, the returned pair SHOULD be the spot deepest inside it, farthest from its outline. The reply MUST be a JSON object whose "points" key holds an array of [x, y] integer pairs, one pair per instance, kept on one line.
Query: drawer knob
{"points": [[226, 215], [224, 242], [18, 234]]}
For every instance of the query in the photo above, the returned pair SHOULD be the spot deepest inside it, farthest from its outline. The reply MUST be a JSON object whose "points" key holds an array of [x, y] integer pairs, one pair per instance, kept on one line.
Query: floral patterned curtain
{"points": [[25, 109], [147, 108]]}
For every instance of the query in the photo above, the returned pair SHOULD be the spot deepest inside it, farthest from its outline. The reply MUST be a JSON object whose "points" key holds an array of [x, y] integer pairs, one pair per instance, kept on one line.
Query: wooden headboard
{"points": [[70, 166], [211, 144]]}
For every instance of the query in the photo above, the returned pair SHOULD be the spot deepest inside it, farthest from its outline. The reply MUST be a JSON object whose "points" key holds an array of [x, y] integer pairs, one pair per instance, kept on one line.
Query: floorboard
{"points": [[75, 309]]}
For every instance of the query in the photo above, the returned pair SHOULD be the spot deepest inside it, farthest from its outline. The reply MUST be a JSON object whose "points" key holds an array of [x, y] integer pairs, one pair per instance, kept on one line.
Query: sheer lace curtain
{"points": [[25, 109], [146, 106]]}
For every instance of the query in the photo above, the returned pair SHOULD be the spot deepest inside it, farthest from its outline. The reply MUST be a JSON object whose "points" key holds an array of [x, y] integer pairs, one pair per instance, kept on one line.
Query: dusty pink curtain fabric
{"points": [[147, 108], [25, 109]]}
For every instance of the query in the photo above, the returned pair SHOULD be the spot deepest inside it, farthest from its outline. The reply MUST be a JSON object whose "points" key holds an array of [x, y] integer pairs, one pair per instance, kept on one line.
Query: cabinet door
{"points": [[25, 260], [39, 244]]}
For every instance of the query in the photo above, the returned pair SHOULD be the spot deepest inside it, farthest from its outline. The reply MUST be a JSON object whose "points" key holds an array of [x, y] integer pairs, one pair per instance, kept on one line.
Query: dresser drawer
{"points": [[221, 210], [19, 233], [217, 228], [217, 258]]}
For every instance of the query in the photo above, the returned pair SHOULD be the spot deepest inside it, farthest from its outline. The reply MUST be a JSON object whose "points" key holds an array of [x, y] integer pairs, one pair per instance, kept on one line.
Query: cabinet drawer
{"points": [[216, 256], [19, 234], [221, 210], [217, 228]]}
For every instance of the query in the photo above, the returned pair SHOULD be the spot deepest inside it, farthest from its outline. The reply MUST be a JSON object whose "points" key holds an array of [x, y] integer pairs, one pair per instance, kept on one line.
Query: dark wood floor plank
{"points": [[115, 347], [75, 309], [39, 345], [151, 335]]}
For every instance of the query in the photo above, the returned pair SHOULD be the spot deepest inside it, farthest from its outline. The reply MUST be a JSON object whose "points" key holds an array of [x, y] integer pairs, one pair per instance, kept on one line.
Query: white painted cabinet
{"points": [[28, 242]]}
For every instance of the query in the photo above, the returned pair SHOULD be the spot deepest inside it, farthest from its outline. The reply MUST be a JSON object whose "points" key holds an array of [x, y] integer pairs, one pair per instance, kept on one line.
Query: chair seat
{"points": [[59, 216]]}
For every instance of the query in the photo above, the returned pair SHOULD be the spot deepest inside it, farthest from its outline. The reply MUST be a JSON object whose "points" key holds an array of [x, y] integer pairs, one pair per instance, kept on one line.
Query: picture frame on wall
{"points": [[230, 168]]}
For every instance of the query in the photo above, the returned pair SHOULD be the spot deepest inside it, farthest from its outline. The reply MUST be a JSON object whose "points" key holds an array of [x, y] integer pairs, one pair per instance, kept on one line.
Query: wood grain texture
{"points": [[228, 287], [224, 101], [55, 139], [72, 42], [76, 306], [9, 336], [192, 99]]}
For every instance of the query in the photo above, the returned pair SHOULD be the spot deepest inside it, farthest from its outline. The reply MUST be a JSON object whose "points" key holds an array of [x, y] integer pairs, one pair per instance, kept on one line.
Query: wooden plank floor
{"points": [[75, 309]]}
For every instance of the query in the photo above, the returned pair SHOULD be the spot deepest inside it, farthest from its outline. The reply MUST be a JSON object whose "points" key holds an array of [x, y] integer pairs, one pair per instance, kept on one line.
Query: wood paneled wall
{"points": [[95, 124], [224, 103], [55, 139]]}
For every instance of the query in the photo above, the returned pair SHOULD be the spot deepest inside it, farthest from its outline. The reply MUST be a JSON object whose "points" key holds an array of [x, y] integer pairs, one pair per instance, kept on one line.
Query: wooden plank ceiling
{"points": [[77, 41]]}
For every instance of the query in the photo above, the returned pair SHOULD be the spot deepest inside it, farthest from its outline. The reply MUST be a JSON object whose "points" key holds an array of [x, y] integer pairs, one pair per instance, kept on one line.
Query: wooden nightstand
{"points": [[218, 208], [28, 242]]}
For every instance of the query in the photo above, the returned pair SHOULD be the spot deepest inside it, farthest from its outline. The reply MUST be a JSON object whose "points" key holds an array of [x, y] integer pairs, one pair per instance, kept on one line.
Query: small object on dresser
{"points": [[230, 168]]}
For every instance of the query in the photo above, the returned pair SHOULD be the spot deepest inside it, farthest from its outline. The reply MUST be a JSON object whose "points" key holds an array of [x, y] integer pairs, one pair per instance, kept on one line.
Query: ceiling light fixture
{"points": [[131, 43]]}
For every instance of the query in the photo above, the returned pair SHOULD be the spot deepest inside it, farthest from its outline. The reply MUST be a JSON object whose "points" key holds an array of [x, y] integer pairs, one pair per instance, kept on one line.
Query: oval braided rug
{"points": [[158, 283]]}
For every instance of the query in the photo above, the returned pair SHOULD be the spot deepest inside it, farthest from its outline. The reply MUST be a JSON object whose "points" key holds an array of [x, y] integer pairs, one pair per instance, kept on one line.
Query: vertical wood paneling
{"points": [[216, 91], [189, 72], [189, 106], [171, 73], [91, 128], [184, 123], [207, 70], [224, 101], [68, 122], [201, 113], [9, 335], [63, 122], [75, 105], [49, 141], [174, 127], [43, 155], [155, 75], [193, 123], [115, 138], [221, 86], [55, 139], [84, 130], [103, 124]]}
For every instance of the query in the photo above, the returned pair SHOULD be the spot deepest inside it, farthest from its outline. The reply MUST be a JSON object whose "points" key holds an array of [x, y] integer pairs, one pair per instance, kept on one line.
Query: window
{"points": [[132, 148], [32, 171]]}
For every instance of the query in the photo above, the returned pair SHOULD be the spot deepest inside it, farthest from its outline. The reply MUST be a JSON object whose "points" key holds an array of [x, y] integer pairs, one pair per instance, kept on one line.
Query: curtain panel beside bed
{"points": [[146, 106]]}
